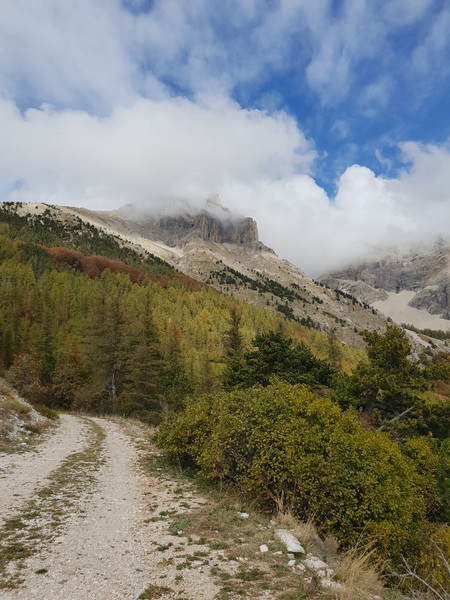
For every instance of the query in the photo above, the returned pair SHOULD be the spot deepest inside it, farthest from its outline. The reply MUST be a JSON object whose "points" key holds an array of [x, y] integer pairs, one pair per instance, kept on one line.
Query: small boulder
{"points": [[291, 542]]}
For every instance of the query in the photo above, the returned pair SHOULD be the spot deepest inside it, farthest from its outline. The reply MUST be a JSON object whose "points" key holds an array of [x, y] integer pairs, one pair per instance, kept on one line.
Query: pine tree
{"points": [[106, 348], [141, 390]]}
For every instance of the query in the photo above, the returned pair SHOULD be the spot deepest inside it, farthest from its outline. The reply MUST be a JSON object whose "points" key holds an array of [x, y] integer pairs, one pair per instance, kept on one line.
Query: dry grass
{"points": [[360, 574], [357, 570]]}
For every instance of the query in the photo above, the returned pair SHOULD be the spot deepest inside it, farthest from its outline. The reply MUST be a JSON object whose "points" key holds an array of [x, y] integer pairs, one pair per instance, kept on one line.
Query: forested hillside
{"points": [[292, 417], [113, 331]]}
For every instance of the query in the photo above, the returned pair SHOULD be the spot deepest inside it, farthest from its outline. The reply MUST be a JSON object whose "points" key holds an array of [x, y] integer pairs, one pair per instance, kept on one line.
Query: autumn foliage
{"points": [[94, 266]]}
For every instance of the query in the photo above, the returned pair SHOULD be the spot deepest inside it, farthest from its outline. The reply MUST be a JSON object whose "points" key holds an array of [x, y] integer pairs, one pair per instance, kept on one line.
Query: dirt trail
{"points": [[89, 534], [20, 474]]}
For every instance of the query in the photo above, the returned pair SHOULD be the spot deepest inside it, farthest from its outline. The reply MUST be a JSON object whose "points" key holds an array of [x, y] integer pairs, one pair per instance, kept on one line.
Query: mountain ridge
{"points": [[425, 274], [248, 269]]}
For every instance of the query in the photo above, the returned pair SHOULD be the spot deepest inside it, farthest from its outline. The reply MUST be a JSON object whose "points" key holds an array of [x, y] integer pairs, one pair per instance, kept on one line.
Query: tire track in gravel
{"points": [[95, 533], [21, 474], [95, 554]]}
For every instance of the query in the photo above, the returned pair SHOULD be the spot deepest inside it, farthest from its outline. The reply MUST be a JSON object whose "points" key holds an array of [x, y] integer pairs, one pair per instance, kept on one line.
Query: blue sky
{"points": [[325, 120]]}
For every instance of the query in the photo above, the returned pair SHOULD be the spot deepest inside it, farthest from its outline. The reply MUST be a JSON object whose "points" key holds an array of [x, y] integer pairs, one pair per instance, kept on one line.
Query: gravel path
{"points": [[96, 556], [104, 544], [20, 474]]}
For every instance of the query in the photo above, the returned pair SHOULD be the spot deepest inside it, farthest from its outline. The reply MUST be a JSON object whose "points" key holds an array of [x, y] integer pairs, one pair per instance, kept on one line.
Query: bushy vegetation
{"points": [[289, 450]]}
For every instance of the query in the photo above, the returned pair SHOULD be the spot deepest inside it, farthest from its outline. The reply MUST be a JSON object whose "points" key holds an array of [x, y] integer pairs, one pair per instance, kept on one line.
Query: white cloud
{"points": [[370, 215], [174, 152], [142, 154], [67, 53]]}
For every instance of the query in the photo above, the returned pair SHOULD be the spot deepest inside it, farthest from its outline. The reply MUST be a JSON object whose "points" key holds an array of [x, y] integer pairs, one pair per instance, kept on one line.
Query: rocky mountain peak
{"points": [[176, 230]]}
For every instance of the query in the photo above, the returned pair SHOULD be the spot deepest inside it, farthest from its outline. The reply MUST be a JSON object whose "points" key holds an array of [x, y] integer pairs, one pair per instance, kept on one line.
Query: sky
{"points": [[327, 121]]}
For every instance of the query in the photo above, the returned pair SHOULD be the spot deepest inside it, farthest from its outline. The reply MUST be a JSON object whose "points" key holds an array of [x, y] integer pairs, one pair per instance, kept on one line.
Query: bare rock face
{"points": [[427, 274], [210, 228], [359, 289], [179, 230], [434, 299]]}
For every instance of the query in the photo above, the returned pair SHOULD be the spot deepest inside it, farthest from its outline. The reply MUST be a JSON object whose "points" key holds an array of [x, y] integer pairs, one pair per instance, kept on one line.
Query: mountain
{"points": [[412, 288], [217, 248]]}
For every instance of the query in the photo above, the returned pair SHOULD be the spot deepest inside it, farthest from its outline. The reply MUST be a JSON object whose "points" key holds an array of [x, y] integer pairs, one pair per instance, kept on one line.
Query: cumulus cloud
{"points": [[107, 103], [370, 215], [150, 153]]}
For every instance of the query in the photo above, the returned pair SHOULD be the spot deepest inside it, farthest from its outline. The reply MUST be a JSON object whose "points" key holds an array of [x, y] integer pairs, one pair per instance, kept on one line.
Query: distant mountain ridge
{"points": [[426, 274]]}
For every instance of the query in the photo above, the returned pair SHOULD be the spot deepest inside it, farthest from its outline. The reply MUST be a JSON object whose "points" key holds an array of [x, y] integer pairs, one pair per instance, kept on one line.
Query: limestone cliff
{"points": [[174, 231], [427, 273]]}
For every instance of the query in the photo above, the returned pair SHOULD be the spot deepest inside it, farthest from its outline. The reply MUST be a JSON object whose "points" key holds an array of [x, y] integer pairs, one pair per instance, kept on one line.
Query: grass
{"points": [[360, 574], [154, 591]]}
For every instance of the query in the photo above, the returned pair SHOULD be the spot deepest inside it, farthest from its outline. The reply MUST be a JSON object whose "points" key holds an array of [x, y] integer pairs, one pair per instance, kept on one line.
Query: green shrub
{"points": [[46, 412], [288, 449]]}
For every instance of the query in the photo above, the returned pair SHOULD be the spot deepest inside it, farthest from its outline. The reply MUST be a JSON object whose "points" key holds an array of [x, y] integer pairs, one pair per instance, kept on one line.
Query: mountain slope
{"points": [[225, 252], [398, 284]]}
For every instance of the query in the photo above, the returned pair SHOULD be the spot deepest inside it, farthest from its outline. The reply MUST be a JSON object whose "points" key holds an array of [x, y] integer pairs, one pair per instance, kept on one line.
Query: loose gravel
{"points": [[105, 539], [21, 474]]}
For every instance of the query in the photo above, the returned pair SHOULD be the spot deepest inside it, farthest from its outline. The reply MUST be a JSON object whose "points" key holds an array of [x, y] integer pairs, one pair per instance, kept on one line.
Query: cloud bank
{"points": [[165, 103], [172, 154]]}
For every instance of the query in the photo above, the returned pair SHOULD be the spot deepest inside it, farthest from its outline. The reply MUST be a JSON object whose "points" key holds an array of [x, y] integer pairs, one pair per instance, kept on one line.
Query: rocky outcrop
{"points": [[427, 273], [175, 231], [359, 289], [434, 299]]}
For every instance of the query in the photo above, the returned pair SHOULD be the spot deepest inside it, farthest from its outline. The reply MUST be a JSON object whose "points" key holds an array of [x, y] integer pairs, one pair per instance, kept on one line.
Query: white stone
{"points": [[315, 563], [263, 548], [292, 543], [328, 583], [301, 567], [291, 563], [243, 515]]}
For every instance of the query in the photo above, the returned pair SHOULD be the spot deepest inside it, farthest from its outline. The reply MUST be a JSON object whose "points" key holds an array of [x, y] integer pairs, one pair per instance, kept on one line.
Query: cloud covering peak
{"points": [[327, 122]]}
